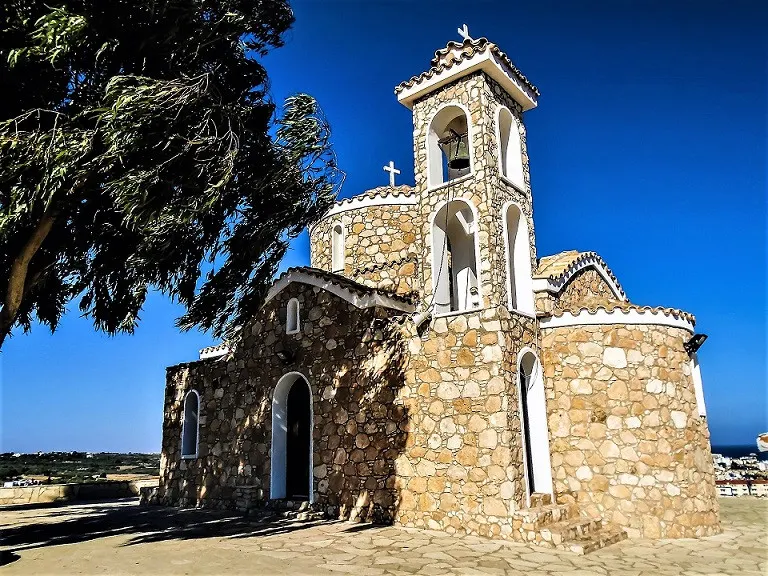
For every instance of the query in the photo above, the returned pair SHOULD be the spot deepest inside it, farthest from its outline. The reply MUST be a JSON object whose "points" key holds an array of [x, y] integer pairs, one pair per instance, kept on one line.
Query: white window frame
{"points": [[293, 316], [338, 259]]}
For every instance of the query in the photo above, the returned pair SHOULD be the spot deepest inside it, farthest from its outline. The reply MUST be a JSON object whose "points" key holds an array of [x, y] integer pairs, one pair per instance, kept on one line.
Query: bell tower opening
{"points": [[449, 146], [455, 270]]}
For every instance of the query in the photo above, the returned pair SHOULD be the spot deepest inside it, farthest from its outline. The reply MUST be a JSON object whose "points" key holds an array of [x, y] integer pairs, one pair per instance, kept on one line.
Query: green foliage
{"points": [[76, 466], [136, 139]]}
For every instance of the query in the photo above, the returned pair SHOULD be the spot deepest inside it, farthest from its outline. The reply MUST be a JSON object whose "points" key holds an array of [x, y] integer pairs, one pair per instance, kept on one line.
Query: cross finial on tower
{"points": [[464, 32], [392, 171]]}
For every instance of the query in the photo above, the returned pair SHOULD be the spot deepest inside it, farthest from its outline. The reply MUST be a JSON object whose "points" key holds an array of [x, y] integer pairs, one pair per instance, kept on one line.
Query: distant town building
{"points": [[738, 487]]}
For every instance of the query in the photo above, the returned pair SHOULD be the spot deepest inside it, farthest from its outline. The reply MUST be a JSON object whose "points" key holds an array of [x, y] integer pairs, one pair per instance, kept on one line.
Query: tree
{"points": [[139, 149]]}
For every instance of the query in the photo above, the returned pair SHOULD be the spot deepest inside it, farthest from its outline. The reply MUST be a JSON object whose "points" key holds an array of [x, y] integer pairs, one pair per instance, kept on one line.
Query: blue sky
{"points": [[648, 146]]}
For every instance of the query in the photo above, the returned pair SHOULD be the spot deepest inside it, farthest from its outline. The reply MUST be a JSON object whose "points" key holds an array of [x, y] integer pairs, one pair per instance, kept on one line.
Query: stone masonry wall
{"points": [[354, 362], [462, 468], [379, 246], [626, 439], [420, 430]]}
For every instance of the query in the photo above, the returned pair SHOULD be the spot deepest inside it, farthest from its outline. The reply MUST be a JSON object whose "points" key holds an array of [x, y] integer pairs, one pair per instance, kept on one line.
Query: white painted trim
{"points": [[514, 185], [617, 316], [214, 351], [478, 254], [184, 425], [457, 312], [366, 301], [297, 315], [592, 261], [698, 385], [458, 180], [434, 185], [540, 451], [278, 441], [484, 61], [367, 202], [527, 290]]}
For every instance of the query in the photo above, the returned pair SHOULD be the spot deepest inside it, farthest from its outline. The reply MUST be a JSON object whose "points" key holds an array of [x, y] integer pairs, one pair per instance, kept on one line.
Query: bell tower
{"points": [[472, 179]]}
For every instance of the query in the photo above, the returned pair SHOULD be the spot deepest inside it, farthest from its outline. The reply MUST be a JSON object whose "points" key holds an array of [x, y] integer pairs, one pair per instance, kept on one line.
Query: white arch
{"points": [[438, 245], [280, 433], [434, 154], [293, 317], [190, 427], [510, 147], [518, 251], [337, 247], [536, 408]]}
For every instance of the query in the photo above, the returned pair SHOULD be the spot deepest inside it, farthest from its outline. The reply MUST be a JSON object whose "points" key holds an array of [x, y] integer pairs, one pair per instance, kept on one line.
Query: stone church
{"points": [[431, 370]]}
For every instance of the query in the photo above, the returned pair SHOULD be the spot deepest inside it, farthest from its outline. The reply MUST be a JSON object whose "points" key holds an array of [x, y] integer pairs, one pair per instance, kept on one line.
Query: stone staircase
{"points": [[291, 510], [561, 526]]}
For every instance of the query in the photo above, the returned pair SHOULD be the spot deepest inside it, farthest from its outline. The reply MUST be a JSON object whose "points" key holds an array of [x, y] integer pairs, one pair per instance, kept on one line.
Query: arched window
{"points": [[455, 270], [519, 280], [293, 317], [337, 248], [191, 426], [533, 421], [449, 147], [510, 148]]}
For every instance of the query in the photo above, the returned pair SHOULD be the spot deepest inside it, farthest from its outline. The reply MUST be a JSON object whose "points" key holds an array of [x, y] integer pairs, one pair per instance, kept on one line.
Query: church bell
{"points": [[456, 150]]}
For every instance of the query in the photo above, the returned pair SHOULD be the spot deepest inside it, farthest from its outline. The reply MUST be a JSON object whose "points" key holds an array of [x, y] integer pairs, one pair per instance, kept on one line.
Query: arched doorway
{"points": [[291, 474], [533, 423]]}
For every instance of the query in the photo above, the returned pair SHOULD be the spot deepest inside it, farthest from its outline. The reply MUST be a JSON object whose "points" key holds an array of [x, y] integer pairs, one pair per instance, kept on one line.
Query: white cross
{"points": [[464, 32], [392, 171]]}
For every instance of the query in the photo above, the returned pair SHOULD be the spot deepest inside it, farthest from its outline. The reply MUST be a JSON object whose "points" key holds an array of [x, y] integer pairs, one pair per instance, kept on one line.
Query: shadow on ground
{"points": [[73, 524]]}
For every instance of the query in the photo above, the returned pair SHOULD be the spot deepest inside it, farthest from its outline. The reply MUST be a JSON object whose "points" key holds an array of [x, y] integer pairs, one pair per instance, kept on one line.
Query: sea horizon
{"points": [[738, 450]]}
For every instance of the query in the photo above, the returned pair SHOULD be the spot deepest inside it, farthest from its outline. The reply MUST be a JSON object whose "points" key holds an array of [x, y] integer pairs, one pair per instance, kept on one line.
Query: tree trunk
{"points": [[18, 276]]}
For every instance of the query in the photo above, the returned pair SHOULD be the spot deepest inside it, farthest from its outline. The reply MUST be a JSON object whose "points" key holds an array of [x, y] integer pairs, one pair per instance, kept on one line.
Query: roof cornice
{"points": [[621, 314], [459, 59], [381, 196], [356, 294], [556, 282]]}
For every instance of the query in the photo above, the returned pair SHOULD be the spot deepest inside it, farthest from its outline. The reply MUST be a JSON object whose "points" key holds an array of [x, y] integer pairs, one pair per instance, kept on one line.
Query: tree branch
{"points": [[18, 276]]}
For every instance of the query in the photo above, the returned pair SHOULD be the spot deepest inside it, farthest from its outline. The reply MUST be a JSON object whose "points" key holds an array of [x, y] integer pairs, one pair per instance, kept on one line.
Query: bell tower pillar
{"points": [[472, 178]]}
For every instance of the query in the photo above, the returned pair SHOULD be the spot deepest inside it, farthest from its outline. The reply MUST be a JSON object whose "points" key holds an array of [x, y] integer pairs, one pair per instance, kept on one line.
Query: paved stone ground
{"points": [[123, 538]]}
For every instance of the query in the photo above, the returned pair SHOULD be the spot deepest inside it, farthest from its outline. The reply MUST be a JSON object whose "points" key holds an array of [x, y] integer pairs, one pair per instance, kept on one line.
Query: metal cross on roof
{"points": [[464, 32], [392, 171]]}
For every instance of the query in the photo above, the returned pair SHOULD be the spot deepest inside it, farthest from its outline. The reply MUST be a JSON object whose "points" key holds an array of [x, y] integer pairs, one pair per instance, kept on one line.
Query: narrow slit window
{"points": [[293, 317], [337, 249], [191, 427]]}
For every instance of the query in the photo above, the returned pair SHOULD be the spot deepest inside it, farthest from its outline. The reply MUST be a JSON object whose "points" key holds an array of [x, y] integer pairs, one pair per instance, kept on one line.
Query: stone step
{"points": [[590, 542], [283, 504], [539, 499], [570, 529], [537, 517], [267, 515]]}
